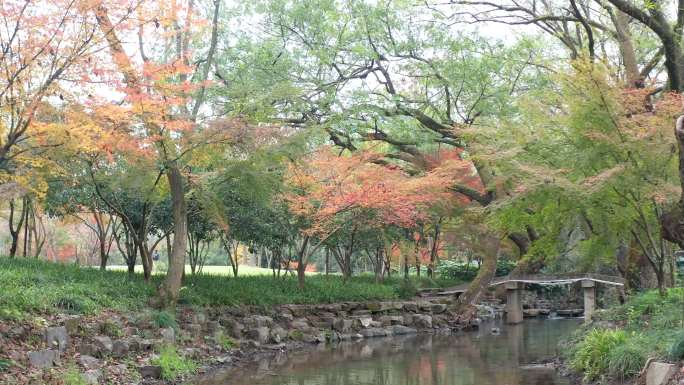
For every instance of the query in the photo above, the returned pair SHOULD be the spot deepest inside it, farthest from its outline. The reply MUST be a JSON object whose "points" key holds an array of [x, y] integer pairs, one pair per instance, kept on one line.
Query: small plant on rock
{"points": [[5, 364], [111, 329], [225, 342], [173, 365], [73, 377], [164, 319]]}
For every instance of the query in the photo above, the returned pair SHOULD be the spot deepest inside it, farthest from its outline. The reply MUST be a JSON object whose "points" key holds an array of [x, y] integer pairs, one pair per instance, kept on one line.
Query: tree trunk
{"points": [[484, 275], [301, 266], [327, 261], [629, 60], [168, 293], [14, 231]]}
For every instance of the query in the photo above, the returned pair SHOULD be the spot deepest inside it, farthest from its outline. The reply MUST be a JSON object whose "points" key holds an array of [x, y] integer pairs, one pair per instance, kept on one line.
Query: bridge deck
{"points": [[544, 280]]}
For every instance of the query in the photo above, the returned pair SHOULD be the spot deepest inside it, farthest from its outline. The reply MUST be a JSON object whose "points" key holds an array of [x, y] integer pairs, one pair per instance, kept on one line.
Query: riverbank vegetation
{"points": [[622, 339]]}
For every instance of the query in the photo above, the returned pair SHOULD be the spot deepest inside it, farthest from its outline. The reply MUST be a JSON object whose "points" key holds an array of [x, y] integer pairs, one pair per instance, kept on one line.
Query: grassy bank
{"points": [[620, 341], [31, 286]]}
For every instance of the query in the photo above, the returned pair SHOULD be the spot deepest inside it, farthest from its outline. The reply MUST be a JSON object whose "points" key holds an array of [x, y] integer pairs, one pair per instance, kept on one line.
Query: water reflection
{"points": [[474, 358]]}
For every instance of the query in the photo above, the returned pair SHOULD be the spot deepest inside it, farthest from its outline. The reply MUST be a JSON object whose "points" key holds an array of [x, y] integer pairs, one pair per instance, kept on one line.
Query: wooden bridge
{"points": [[516, 283]]}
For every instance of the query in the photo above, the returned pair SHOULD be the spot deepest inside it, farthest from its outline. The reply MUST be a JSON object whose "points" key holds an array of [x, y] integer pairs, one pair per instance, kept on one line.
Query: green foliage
{"points": [[462, 271], [43, 287], [226, 342], [73, 376], [627, 360], [265, 290], [297, 335], [111, 328], [592, 354], [647, 320], [30, 286], [164, 319], [406, 289], [172, 364], [676, 351], [5, 364]]}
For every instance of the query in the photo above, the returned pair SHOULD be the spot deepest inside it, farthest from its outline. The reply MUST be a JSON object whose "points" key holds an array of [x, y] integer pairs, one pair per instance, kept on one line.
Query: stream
{"points": [[481, 357]]}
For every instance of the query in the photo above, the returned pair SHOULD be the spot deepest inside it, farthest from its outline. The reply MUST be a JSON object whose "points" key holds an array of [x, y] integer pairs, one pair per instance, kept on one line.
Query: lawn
{"points": [[212, 270], [32, 286]]}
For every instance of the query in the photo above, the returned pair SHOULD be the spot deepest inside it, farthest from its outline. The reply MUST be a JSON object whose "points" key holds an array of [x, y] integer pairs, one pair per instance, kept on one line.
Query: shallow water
{"points": [[468, 358]]}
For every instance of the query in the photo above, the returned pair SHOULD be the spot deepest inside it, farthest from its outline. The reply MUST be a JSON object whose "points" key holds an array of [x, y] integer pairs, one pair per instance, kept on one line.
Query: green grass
{"points": [[43, 287], [212, 270], [173, 364], [164, 319], [32, 286], [646, 327]]}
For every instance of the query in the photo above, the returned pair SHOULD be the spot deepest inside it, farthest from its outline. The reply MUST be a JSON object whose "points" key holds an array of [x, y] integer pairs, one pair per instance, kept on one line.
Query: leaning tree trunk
{"points": [[485, 274], [481, 281], [168, 292]]}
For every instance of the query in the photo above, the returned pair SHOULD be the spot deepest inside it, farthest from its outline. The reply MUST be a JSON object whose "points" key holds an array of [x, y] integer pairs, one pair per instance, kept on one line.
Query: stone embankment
{"points": [[114, 348]]}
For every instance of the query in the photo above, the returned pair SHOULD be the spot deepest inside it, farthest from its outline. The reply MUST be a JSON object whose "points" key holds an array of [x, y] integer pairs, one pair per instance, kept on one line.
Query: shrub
{"points": [[73, 377], [225, 342], [626, 360], [164, 319], [5, 364], [406, 289], [677, 349], [172, 364], [111, 328], [592, 353]]}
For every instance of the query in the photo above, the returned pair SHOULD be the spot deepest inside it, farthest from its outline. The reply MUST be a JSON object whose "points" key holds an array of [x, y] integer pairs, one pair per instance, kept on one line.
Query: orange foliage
{"points": [[324, 186]]}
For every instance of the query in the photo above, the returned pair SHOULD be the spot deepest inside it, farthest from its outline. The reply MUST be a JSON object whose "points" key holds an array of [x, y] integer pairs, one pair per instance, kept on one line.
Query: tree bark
{"points": [[174, 276], [481, 281]]}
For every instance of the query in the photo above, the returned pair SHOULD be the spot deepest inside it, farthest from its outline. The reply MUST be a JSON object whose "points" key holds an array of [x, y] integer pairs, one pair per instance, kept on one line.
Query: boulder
{"points": [[660, 373], [343, 325], [43, 358], [389, 320], [258, 334], [422, 321], [438, 308], [92, 376], [212, 326], [314, 338], [364, 322], [104, 344], [277, 335], [86, 349], [408, 319], [411, 307], [373, 332], [120, 348], [401, 330], [118, 370], [300, 324], [73, 324], [361, 312], [285, 316], [199, 318], [150, 371], [89, 362], [375, 324], [195, 330], [258, 321], [57, 337], [145, 345], [168, 335], [377, 307]]}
